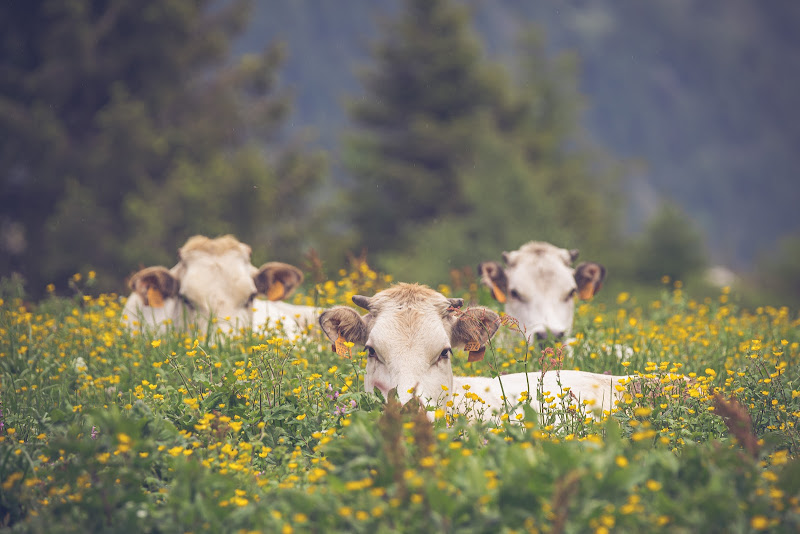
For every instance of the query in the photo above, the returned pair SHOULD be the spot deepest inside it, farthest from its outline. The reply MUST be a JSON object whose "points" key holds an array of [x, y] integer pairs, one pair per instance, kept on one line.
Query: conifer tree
{"points": [[510, 161], [127, 128], [415, 125]]}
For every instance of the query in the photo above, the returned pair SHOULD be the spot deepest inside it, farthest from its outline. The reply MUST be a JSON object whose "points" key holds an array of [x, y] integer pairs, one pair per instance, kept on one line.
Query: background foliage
{"points": [[128, 129], [447, 132]]}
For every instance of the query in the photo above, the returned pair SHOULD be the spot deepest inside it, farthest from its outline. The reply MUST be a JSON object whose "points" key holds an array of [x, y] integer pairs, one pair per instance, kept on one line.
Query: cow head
{"points": [[213, 278], [410, 333], [538, 286]]}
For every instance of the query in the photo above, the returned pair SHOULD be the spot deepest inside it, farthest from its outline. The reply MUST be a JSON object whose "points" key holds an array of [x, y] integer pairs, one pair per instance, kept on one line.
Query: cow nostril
{"points": [[541, 336]]}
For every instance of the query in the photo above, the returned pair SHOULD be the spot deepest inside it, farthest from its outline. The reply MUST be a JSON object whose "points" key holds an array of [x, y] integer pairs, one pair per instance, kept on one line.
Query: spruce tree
{"points": [[128, 127], [512, 161], [415, 125]]}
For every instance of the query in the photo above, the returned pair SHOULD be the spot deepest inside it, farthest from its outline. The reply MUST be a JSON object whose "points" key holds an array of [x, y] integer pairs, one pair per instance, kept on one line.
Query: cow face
{"points": [[409, 334], [539, 285], [213, 279]]}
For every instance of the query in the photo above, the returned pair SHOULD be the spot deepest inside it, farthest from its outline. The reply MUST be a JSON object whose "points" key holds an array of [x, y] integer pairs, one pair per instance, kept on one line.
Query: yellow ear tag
{"points": [[276, 291], [587, 291], [476, 355], [476, 352], [154, 297], [498, 295], [472, 346], [341, 348]]}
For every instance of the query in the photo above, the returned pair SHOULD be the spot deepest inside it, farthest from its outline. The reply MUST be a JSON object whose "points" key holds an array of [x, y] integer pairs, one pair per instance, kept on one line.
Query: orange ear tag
{"points": [[476, 355], [154, 297], [341, 348], [475, 350], [587, 291], [276, 291], [498, 295]]}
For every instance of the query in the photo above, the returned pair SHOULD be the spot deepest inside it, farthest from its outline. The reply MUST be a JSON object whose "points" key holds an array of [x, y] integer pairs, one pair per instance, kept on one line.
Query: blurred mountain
{"points": [[703, 94]]}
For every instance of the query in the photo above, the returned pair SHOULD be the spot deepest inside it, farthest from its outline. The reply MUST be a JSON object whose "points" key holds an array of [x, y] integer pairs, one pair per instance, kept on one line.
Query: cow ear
{"points": [[573, 254], [474, 327], [589, 276], [277, 280], [494, 276], [343, 325], [154, 284]]}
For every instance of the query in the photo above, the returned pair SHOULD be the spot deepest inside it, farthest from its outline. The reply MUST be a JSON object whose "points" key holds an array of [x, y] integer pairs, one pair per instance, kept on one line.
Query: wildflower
{"points": [[653, 485], [155, 343]]}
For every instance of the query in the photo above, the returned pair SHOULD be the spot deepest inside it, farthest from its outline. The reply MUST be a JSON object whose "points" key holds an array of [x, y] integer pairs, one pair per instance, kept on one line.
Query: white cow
{"points": [[538, 287], [212, 279], [410, 332], [292, 319]]}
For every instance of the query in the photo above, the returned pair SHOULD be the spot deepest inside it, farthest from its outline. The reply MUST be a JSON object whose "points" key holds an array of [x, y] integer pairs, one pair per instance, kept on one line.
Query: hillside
{"points": [[687, 90]]}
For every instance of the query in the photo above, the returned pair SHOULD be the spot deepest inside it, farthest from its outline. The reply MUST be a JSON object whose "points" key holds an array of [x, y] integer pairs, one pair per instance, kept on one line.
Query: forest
{"points": [[426, 135]]}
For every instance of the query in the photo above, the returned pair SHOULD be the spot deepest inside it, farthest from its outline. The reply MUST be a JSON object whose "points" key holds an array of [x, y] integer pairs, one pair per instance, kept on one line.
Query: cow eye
{"points": [[371, 353], [250, 300], [445, 354], [515, 295]]}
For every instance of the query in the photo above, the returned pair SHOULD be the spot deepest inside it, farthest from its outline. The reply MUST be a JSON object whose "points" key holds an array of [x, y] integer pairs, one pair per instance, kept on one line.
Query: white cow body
{"points": [[598, 390], [138, 315], [410, 333], [291, 319], [212, 281], [538, 286]]}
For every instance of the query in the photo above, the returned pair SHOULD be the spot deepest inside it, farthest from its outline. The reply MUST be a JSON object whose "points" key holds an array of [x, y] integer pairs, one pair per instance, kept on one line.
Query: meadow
{"points": [[102, 430]]}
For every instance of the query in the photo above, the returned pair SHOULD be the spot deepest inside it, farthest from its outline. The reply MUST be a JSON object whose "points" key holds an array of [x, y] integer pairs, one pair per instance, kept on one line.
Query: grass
{"points": [[102, 430]]}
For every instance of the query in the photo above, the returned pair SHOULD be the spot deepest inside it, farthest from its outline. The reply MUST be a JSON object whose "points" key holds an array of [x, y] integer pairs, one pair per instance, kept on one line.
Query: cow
{"points": [[538, 286], [213, 279], [410, 332], [291, 319]]}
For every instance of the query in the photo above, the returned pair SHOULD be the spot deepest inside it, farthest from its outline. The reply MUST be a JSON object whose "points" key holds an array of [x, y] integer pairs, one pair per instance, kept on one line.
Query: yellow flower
{"points": [[622, 461], [759, 522], [155, 343], [301, 417], [653, 485]]}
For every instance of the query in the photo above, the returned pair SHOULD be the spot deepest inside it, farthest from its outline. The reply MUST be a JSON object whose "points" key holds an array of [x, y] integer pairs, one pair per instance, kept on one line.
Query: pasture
{"points": [[105, 430]]}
